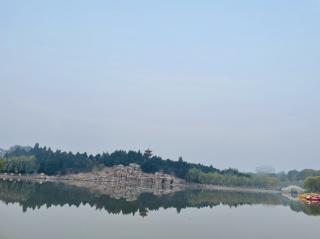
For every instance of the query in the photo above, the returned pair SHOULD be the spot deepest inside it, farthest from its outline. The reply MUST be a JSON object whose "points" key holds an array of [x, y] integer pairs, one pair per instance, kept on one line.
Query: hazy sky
{"points": [[227, 83]]}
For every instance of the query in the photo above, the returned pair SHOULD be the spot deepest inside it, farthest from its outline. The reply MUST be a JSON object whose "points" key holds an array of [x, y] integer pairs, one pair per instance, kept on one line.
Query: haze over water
{"points": [[59, 211]]}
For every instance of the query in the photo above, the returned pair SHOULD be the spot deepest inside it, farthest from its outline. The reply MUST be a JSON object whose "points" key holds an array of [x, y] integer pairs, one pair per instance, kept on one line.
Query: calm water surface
{"points": [[51, 211]]}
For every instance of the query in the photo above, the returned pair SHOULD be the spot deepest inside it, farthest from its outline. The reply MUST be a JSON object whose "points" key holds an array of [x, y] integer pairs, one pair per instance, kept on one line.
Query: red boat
{"points": [[311, 197], [314, 198]]}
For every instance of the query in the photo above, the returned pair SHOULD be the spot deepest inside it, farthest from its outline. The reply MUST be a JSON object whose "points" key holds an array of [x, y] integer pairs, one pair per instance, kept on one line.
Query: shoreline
{"points": [[88, 182]]}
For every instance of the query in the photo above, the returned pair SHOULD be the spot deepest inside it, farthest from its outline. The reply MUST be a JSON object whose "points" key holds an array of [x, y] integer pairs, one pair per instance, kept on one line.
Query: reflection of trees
{"points": [[309, 209], [33, 195], [15, 191]]}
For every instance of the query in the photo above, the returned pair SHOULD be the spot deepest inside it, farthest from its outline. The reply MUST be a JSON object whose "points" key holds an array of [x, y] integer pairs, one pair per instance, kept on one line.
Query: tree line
{"points": [[44, 160], [250, 180]]}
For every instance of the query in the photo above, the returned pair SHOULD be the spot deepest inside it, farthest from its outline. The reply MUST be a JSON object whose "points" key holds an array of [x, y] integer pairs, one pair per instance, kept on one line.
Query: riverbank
{"points": [[130, 178]]}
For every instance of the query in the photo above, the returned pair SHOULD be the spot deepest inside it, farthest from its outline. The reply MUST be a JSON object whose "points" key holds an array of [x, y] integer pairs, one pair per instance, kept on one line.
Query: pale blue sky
{"points": [[227, 83]]}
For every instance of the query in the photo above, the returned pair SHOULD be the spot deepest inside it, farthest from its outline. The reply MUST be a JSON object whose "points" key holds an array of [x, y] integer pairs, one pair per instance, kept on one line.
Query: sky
{"points": [[228, 83]]}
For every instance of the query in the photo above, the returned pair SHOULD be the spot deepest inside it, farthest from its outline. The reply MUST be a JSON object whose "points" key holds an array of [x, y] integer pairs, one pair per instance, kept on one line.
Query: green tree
{"points": [[19, 164], [193, 175], [312, 184]]}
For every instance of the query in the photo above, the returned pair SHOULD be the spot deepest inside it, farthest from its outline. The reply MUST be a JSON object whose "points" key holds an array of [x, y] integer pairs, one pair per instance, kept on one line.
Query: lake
{"points": [[32, 210]]}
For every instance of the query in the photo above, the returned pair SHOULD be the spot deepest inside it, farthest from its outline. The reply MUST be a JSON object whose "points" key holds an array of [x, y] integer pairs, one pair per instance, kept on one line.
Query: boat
{"points": [[310, 197]]}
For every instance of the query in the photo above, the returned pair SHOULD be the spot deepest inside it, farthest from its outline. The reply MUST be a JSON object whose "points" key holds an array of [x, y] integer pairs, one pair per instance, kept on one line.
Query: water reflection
{"points": [[31, 195]]}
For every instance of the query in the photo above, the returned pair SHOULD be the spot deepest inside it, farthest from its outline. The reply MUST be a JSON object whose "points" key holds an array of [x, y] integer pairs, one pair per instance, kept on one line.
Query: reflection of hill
{"points": [[33, 195]]}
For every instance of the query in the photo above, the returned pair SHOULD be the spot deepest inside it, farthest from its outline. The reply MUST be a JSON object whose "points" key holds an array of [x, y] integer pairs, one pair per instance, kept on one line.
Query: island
{"points": [[146, 171]]}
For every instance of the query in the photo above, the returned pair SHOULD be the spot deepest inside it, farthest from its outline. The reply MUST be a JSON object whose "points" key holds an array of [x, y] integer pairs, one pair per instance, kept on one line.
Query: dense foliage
{"points": [[44, 160], [252, 180], [312, 184], [19, 164], [295, 175], [57, 162]]}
